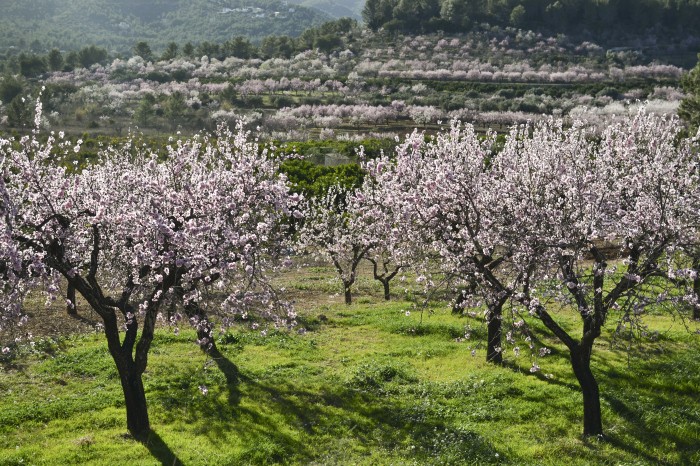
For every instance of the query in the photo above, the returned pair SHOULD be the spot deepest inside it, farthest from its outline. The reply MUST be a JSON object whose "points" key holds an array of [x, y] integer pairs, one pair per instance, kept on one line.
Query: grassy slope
{"points": [[366, 385]]}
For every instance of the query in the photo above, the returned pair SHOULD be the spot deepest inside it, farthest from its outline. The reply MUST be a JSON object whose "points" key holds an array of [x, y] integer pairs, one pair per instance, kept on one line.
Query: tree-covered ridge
{"points": [[44, 24], [335, 8], [607, 17]]}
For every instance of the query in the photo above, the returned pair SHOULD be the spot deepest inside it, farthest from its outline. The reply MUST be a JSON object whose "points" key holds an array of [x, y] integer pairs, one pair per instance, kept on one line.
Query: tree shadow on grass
{"points": [[658, 412], [230, 372], [161, 451], [558, 381], [294, 423]]}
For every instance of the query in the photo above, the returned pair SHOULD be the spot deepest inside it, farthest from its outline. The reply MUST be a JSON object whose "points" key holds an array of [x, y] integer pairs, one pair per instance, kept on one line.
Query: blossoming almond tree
{"points": [[136, 228], [379, 228], [528, 224], [333, 230], [631, 188], [441, 192]]}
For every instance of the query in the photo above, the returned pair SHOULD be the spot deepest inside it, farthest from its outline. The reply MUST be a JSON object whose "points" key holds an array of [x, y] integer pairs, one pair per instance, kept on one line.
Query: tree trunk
{"points": [[387, 296], [696, 289], [136, 409], [592, 419], [696, 308], [348, 294], [494, 352], [71, 308], [130, 376]]}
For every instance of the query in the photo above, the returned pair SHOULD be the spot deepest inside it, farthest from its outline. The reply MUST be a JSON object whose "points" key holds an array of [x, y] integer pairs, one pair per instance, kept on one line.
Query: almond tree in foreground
{"points": [[633, 189], [137, 228], [527, 224]]}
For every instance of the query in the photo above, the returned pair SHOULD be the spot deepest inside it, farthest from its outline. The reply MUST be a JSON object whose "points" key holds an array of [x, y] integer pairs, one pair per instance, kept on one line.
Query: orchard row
{"points": [[552, 220]]}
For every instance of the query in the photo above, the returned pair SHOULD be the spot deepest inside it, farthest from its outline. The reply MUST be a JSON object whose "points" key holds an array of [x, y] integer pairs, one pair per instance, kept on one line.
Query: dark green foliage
{"points": [[32, 66], [239, 47], [689, 109], [314, 180], [90, 55], [20, 112], [55, 60], [171, 52], [10, 87], [273, 46], [145, 110], [143, 50], [188, 50], [572, 16], [175, 107]]}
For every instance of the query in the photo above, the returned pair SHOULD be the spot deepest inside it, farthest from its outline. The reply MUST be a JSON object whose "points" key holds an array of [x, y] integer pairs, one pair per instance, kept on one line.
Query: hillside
{"points": [[335, 8], [117, 25], [598, 19]]}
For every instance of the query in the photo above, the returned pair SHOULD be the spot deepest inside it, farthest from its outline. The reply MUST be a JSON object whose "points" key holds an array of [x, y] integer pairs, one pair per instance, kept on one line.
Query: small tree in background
{"points": [[143, 50], [55, 60], [334, 231], [380, 228], [170, 52]]}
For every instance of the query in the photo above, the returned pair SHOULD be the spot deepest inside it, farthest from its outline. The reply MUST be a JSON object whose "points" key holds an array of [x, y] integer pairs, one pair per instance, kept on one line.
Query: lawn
{"points": [[366, 384]]}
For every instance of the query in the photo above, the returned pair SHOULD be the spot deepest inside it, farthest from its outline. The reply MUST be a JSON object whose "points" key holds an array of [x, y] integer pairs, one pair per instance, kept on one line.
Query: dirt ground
{"points": [[51, 321]]}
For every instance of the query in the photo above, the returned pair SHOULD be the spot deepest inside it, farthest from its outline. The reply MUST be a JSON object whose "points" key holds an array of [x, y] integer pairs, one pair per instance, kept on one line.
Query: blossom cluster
{"points": [[138, 228]]}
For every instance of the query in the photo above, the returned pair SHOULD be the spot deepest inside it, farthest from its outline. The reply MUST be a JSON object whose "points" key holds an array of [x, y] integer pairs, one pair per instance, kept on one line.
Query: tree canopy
{"points": [[566, 16]]}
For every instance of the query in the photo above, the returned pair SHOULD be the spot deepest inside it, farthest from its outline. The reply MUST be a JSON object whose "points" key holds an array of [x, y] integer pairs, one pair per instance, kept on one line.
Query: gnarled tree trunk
{"points": [[494, 353], [347, 290], [581, 364], [71, 306], [135, 398], [385, 284], [385, 277]]}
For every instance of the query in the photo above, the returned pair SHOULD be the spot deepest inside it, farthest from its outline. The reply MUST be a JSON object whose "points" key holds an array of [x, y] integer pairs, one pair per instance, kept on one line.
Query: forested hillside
{"points": [[335, 8], [40, 25], [607, 17]]}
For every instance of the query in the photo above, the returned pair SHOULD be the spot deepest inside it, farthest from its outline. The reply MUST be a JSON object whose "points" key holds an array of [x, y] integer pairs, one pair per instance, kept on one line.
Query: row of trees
{"points": [[555, 218], [567, 16], [31, 65], [548, 221], [330, 36]]}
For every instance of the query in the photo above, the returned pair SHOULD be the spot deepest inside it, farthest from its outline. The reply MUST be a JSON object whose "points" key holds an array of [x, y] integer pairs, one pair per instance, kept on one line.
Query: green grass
{"points": [[367, 384]]}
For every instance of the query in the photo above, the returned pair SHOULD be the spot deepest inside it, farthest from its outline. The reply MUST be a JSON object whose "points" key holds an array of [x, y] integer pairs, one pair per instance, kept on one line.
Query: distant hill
{"points": [[117, 25], [335, 8], [607, 19]]}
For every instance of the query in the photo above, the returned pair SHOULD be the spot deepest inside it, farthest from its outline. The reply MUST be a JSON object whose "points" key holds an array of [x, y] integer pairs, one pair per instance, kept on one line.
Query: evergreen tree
{"points": [[689, 109], [55, 60]]}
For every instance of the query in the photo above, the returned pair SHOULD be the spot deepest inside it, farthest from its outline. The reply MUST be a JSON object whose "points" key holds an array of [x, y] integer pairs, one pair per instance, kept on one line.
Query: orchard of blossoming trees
{"points": [[552, 220], [372, 82], [136, 230], [606, 224]]}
